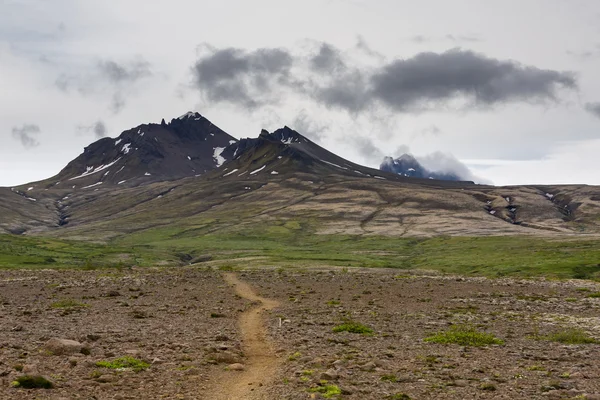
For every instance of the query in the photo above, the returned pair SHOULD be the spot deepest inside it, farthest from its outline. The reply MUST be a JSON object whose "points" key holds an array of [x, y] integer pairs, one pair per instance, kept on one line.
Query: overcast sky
{"points": [[511, 88]]}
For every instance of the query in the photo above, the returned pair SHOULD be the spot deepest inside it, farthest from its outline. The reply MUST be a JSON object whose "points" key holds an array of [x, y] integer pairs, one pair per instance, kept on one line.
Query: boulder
{"points": [[59, 347]]}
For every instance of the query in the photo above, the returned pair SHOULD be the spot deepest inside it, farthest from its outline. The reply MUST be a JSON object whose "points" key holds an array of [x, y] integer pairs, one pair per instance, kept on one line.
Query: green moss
{"points": [[124, 363], [32, 382], [399, 396], [328, 391], [464, 335], [570, 336], [68, 303], [353, 327]]}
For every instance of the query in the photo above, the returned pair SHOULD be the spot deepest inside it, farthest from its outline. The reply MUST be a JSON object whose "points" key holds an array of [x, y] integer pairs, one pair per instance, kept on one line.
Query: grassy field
{"points": [[294, 244]]}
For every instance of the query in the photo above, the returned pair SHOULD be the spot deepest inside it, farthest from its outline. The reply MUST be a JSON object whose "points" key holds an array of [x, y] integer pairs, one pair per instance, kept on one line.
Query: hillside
{"points": [[171, 175]]}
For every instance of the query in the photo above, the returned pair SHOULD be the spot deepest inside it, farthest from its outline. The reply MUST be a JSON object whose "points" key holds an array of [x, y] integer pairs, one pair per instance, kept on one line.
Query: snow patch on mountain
{"points": [[92, 170], [217, 156], [258, 170]]}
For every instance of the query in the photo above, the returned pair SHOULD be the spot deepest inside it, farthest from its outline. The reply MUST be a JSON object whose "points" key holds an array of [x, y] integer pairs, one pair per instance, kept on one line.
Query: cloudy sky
{"points": [[508, 89]]}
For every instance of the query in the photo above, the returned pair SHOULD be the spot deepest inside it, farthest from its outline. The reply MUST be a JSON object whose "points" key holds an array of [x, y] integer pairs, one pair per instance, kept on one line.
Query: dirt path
{"points": [[261, 361]]}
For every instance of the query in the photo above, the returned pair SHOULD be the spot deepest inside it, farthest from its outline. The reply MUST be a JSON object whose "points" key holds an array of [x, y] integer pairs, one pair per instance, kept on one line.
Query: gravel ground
{"points": [[183, 323]]}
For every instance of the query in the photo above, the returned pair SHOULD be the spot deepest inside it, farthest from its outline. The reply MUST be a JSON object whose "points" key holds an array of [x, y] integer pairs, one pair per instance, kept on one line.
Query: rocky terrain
{"points": [[185, 328]]}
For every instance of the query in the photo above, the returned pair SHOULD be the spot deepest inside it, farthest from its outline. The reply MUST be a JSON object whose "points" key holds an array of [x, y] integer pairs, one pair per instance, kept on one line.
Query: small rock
{"points": [[330, 375], [30, 369], [62, 346], [93, 337], [236, 367], [105, 378], [370, 366], [226, 357], [157, 361]]}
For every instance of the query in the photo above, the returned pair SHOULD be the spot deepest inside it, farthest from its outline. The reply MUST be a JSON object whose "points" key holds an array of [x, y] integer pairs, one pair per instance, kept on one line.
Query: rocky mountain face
{"points": [[408, 166], [187, 146]]}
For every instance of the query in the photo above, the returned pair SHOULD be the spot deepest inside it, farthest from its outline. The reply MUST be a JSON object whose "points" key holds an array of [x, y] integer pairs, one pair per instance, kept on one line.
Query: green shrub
{"points": [[464, 335], [353, 327], [570, 336]]}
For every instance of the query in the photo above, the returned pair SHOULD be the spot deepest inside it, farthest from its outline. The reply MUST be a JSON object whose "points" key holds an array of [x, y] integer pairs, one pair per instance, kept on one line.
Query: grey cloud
{"points": [[446, 38], [98, 128], [117, 102], [107, 77], [26, 134], [348, 92], [587, 54], [420, 38], [240, 77], [309, 128], [446, 163], [429, 79], [364, 47], [328, 59], [593, 108], [367, 148], [117, 73], [462, 38]]}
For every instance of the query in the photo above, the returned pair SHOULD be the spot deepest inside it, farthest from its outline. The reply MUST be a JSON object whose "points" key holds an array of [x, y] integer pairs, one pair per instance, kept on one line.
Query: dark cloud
{"points": [[107, 77], [26, 135], [328, 59], [593, 108], [430, 79], [427, 81], [98, 128], [349, 92], [240, 77]]}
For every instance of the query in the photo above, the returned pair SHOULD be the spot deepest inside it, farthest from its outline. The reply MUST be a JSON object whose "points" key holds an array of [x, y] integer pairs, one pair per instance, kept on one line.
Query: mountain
{"points": [[187, 146], [407, 165], [286, 150], [143, 182]]}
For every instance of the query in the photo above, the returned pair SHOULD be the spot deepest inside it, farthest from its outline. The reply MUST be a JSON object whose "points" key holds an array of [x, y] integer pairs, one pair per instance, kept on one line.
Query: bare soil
{"points": [[190, 324]]}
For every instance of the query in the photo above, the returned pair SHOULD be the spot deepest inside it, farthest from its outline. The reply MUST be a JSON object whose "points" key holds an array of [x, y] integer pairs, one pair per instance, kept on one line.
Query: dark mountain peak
{"points": [[187, 146], [408, 166], [286, 151], [189, 115]]}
